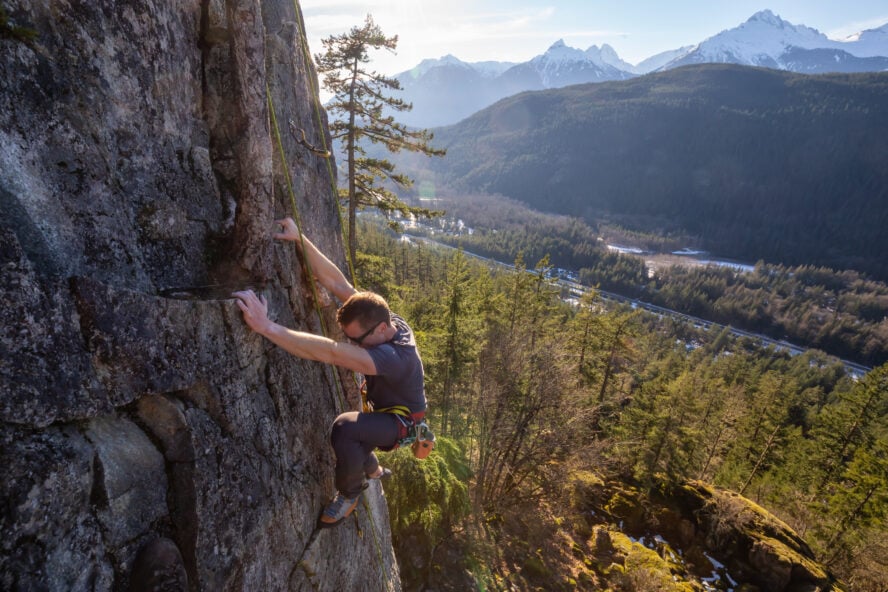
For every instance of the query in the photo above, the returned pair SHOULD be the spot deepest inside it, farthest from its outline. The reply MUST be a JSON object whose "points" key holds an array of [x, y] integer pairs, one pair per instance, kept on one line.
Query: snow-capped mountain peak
{"points": [[765, 33], [883, 30], [760, 41], [606, 56], [661, 59], [765, 39], [491, 68], [560, 52], [868, 43], [447, 89], [427, 64], [562, 64], [768, 17]]}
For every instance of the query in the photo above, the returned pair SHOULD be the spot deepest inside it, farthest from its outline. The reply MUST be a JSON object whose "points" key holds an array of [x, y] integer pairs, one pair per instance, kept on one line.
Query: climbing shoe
{"points": [[382, 474], [338, 510], [158, 567]]}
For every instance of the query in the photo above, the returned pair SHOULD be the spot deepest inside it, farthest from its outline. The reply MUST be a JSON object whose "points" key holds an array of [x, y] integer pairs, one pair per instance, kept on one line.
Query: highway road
{"points": [[577, 290]]}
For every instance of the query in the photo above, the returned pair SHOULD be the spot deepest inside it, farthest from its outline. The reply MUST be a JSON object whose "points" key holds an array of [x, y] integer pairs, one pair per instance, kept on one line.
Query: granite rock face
{"points": [[140, 178]]}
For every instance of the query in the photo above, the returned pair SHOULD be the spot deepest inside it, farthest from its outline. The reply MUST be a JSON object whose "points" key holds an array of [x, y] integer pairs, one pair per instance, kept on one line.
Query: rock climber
{"points": [[381, 346]]}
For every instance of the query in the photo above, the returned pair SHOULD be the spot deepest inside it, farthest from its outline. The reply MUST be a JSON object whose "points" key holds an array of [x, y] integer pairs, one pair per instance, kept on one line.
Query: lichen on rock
{"points": [[694, 532]]}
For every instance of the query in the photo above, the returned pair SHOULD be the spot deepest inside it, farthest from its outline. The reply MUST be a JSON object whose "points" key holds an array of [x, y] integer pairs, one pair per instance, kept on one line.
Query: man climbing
{"points": [[382, 348]]}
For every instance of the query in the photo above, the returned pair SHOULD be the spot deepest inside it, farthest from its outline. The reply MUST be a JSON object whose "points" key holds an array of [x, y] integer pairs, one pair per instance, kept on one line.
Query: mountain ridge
{"points": [[765, 38], [759, 163], [447, 90]]}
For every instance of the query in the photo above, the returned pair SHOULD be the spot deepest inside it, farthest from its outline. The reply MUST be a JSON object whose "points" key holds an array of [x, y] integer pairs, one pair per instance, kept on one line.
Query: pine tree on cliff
{"points": [[360, 105]]}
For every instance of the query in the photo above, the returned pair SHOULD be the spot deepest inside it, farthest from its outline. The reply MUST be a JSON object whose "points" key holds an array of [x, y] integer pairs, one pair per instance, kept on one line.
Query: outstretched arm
{"points": [[330, 276], [301, 344]]}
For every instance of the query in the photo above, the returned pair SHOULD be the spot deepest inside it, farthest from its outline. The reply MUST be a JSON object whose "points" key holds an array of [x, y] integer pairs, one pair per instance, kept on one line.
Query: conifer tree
{"points": [[847, 425], [762, 431], [860, 500], [363, 103], [460, 341], [520, 414]]}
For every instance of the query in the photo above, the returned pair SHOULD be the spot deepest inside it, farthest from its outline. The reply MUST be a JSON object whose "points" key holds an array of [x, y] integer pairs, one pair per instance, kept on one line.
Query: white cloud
{"points": [[432, 28]]}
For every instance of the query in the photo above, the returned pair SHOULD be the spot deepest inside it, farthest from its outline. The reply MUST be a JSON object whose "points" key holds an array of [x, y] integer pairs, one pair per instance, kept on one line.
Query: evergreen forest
{"points": [[842, 312], [537, 403]]}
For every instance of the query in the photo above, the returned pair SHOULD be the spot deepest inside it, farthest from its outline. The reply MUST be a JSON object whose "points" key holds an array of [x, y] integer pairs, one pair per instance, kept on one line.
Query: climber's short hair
{"points": [[368, 308]]}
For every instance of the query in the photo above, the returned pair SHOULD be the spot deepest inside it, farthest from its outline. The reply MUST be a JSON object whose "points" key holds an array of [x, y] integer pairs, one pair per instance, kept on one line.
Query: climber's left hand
{"points": [[255, 309]]}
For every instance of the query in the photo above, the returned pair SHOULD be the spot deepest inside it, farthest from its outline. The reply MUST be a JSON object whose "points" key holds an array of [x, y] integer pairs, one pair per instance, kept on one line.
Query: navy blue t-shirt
{"points": [[399, 376]]}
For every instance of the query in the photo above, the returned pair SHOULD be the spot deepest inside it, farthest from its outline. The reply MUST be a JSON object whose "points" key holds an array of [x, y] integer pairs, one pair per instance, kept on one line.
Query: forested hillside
{"points": [[837, 311], [756, 163], [564, 431]]}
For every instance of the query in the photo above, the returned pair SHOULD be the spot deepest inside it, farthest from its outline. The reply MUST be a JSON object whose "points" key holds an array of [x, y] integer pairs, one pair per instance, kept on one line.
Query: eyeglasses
{"points": [[365, 335]]}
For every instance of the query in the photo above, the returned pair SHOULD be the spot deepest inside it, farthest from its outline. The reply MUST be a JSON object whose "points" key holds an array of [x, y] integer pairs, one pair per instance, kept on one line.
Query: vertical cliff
{"points": [[139, 180]]}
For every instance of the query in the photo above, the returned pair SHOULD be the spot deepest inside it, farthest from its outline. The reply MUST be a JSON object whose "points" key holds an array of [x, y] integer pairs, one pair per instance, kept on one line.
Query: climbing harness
{"points": [[412, 430], [412, 427]]}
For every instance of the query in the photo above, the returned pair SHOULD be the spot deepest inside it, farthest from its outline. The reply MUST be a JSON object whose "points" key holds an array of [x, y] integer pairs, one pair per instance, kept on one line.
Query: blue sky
{"points": [[517, 30]]}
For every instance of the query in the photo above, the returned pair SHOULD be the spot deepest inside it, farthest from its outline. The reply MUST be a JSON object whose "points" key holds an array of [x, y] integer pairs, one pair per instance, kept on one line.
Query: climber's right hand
{"points": [[289, 230]]}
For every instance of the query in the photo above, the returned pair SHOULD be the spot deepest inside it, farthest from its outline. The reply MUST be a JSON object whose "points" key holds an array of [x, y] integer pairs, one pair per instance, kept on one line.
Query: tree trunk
{"points": [[761, 459], [350, 157]]}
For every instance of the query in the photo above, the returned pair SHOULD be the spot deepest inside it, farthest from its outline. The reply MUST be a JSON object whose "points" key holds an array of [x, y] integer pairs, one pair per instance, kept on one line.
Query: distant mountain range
{"points": [[754, 162], [446, 90]]}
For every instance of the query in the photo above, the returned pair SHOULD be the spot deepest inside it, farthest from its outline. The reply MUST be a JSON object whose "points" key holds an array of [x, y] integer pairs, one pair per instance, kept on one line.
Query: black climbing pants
{"points": [[354, 437]]}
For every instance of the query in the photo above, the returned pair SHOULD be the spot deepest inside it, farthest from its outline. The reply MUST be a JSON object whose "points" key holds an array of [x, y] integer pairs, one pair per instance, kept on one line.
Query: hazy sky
{"points": [[517, 30]]}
